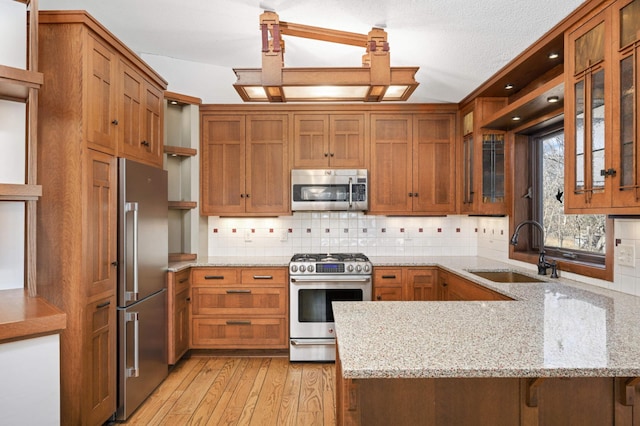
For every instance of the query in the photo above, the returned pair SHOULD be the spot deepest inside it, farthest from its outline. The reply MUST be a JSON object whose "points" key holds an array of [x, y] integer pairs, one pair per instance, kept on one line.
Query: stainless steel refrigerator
{"points": [[142, 293]]}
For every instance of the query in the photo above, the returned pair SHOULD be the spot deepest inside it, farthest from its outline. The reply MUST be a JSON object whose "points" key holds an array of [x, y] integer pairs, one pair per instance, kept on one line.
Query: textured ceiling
{"points": [[458, 44]]}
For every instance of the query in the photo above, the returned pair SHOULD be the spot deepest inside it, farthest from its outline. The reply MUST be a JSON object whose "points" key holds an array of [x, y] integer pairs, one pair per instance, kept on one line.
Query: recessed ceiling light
{"points": [[554, 55], [508, 86], [516, 118], [174, 102], [553, 99]]}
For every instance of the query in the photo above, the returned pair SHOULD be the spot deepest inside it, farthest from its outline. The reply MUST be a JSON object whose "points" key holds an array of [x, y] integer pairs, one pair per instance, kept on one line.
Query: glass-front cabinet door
{"points": [[589, 171], [626, 18]]}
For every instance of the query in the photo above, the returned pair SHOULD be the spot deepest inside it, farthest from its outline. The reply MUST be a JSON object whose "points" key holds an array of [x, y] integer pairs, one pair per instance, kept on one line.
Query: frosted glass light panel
{"points": [[492, 168], [13, 21], [12, 141], [597, 129]]}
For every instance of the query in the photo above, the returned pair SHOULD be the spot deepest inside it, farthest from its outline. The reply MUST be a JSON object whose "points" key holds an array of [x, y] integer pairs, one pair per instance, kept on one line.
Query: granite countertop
{"points": [[557, 328], [232, 261]]}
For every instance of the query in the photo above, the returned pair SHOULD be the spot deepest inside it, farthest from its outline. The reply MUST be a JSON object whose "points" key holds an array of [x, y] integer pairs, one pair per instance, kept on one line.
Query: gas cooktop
{"points": [[330, 263]]}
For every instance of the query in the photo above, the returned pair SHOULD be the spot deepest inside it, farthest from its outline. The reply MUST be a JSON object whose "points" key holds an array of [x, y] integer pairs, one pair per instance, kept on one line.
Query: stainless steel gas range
{"points": [[315, 281]]}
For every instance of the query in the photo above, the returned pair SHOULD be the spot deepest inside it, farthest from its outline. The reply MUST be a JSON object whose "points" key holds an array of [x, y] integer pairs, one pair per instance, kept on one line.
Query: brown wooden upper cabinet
{"points": [[244, 165], [329, 140], [602, 172], [413, 163], [483, 187]]}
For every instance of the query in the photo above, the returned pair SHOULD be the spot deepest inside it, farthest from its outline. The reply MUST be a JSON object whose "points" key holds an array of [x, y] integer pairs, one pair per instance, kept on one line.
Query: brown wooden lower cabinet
{"points": [[405, 283], [239, 308], [597, 401], [179, 302], [454, 287]]}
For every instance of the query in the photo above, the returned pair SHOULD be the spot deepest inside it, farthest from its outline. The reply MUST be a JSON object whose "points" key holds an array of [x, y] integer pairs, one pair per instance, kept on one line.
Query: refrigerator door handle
{"points": [[132, 296], [135, 370]]}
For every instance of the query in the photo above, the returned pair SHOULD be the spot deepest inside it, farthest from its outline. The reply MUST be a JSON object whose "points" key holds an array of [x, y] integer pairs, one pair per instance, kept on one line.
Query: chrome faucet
{"points": [[543, 265]]}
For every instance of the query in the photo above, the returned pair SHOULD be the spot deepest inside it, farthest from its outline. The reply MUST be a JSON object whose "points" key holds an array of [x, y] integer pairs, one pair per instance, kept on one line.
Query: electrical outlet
{"points": [[626, 255], [247, 236], [284, 235]]}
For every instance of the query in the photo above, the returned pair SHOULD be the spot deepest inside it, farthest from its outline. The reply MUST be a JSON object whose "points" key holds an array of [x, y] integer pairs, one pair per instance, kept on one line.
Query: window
{"points": [[567, 236], [580, 243]]}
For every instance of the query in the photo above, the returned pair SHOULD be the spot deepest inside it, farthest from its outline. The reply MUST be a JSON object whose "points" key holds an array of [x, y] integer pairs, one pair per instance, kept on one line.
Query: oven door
{"points": [[312, 329]]}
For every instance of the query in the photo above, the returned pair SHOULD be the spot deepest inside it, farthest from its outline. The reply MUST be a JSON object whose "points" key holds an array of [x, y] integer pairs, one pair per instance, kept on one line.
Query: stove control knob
{"points": [[350, 268], [294, 268], [302, 268], [358, 268], [310, 268], [366, 269]]}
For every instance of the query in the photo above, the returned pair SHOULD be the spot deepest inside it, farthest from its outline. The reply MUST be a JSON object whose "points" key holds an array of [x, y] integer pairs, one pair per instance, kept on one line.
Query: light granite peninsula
{"points": [[560, 353]]}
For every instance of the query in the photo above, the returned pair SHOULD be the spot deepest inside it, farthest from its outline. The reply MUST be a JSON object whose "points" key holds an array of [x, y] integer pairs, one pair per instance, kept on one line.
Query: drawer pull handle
{"points": [[103, 304], [188, 299], [392, 277], [214, 277], [184, 280], [263, 277], [238, 322], [238, 291]]}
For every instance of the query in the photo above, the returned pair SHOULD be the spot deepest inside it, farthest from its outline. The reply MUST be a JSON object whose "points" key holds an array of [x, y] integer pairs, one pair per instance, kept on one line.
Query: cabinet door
{"points": [[131, 104], [346, 143], [101, 96], [267, 166], [588, 182], [99, 390], [181, 325], [150, 148], [311, 141], [391, 171], [626, 181], [434, 163], [101, 210], [387, 283], [222, 165], [421, 284]]}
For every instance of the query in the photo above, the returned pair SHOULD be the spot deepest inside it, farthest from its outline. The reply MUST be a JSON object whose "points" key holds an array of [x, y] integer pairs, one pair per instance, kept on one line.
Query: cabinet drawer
{"points": [[182, 280], [241, 300], [264, 276], [240, 332], [385, 276], [388, 293], [214, 276]]}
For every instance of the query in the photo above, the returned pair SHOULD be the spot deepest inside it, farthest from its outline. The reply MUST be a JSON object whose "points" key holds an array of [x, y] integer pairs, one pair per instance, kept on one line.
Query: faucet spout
{"points": [[543, 265]]}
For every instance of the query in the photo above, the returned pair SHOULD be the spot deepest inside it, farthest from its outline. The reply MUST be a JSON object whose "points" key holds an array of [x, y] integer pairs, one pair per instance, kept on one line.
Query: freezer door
{"points": [[142, 351], [143, 231]]}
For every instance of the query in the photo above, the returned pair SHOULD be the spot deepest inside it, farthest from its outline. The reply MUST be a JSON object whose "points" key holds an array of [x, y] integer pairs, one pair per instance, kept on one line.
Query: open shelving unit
{"points": [[22, 85], [182, 115]]}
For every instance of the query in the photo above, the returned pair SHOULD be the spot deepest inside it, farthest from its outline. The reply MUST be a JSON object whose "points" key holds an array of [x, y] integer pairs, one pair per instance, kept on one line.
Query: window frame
{"points": [[526, 148]]}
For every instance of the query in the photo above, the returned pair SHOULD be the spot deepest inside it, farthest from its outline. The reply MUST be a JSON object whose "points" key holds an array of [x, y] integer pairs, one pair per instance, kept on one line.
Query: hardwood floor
{"points": [[242, 391]]}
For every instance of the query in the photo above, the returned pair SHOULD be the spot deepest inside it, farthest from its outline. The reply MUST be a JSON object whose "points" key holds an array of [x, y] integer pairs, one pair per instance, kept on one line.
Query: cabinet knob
{"points": [[378, 297], [411, 194], [114, 263], [188, 299], [415, 194], [331, 154], [114, 122], [608, 172], [241, 195], [326, 154], [145, 143], [444, 284], [247, 195]]}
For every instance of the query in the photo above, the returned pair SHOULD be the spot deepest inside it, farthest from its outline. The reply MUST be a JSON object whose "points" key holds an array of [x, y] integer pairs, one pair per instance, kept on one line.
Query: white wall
{"points": [[30, 384], [12, 143]]}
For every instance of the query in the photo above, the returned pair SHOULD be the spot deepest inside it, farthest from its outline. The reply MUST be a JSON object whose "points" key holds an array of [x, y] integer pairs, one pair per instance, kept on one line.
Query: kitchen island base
{"points": [[486, 401]]}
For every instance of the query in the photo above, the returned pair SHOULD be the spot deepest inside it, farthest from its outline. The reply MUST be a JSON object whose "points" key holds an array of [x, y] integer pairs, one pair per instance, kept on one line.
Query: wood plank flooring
{"points": [[242, 391]]}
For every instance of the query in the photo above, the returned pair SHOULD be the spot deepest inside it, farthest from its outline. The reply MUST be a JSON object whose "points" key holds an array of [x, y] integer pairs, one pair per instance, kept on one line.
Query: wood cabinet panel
{"points": [[454, 287], [239, 300], [329, 140], [178, 307], [244, 165], [421, 284], [240, 308], [101, 96], [405, 283], [100, 361], [240, 333]]}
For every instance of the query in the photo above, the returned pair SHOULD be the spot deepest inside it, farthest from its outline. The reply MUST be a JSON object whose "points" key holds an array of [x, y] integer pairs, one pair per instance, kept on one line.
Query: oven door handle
{"points": [[309, 342], [330, 280]]}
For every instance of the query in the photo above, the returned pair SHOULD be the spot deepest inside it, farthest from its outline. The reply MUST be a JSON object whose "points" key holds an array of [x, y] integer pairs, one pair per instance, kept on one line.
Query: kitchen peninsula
{"points": [[561, 352]]}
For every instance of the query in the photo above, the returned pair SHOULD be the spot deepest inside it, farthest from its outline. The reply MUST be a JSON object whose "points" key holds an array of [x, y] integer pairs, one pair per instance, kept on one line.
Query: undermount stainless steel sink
{"points": [[506, 277]]}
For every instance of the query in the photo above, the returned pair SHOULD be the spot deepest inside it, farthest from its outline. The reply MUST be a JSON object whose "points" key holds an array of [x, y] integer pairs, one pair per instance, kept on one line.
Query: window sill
{"points": [[602, 272]]}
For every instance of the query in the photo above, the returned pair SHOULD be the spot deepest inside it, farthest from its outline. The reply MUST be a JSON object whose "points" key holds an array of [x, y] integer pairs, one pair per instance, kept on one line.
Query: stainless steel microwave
{"points": [[329, 189]]}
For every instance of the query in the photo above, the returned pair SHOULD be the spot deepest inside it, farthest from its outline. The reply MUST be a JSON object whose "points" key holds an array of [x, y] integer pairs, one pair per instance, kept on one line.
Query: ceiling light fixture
{"points": [[553, 99], [516, 118], [375, 81], [508, 86], [554, 55]]}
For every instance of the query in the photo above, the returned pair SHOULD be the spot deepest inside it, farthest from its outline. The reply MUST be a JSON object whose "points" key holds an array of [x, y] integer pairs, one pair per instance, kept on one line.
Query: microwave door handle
{"points": [[350, 192]]}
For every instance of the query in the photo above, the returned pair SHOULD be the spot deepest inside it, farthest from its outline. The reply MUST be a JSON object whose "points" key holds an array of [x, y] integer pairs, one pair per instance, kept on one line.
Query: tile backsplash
{"points": [[398, 236], [343, 232]]}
